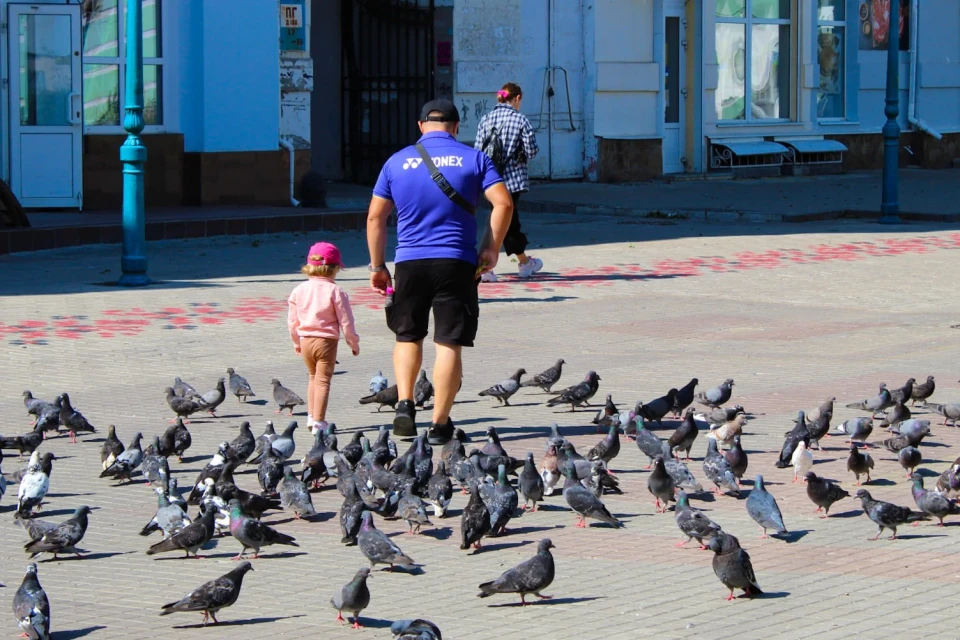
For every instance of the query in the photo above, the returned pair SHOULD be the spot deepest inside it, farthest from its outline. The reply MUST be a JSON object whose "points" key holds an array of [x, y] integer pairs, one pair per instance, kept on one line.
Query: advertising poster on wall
{"points": [[875, 24]]}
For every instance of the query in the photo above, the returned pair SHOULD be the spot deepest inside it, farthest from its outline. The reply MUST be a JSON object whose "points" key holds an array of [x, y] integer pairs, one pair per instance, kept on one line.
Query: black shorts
{"points": [[447, 286]]}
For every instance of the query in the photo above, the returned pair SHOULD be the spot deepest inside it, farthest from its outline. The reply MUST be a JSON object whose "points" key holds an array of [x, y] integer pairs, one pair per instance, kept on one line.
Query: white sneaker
{"points": [[488, 276], [532, 266]]}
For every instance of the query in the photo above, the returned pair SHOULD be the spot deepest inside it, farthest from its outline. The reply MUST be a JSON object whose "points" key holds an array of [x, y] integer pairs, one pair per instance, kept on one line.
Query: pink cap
{"points": [[324, 253]]}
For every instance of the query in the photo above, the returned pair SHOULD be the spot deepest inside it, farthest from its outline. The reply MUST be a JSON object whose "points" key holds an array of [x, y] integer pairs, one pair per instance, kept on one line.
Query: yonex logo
{"points": [[442, 161], [412, 163]]}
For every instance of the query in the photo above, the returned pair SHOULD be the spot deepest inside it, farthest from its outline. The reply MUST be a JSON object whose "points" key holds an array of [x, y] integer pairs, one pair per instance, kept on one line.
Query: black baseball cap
{"points": [[448, 111]]}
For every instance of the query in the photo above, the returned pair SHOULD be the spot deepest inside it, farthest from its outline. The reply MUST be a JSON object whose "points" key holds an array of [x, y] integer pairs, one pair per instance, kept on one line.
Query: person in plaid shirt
{"points": [[519, 146]]}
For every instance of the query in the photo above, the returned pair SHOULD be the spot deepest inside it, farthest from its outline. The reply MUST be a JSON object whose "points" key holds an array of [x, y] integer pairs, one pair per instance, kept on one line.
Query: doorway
{"points": [[674, 89], [46, 105]]}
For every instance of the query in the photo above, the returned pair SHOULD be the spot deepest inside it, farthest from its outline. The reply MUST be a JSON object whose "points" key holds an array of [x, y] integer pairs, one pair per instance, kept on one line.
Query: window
{"points": [[104, 24], [831, 41], [753, 40]]}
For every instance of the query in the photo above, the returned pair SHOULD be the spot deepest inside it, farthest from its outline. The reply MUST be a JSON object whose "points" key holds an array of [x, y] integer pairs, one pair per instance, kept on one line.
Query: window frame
{"points": [[748, 21], [844, 25], [161, 61]]}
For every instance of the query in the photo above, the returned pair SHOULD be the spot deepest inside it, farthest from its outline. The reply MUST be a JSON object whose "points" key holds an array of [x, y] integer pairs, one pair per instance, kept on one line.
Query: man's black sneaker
{"points": [[440, 434], [405, 422]]}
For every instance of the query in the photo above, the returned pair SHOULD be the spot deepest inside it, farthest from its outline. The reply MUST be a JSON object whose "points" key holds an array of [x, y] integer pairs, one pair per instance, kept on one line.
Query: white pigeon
{"points": [[802, 461], [378, 382], [33, 488]]}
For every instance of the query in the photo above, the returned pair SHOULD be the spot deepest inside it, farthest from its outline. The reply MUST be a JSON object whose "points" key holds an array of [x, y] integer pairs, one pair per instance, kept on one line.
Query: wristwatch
{"points": [[375, 269]]}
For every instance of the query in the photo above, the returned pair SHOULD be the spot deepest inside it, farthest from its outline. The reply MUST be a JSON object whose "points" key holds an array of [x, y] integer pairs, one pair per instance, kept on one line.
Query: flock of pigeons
{"points": [[374, 478]]}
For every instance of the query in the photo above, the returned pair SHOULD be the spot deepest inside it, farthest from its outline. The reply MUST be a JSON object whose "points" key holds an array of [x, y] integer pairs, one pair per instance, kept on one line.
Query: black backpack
{"points": [[493, 147]]}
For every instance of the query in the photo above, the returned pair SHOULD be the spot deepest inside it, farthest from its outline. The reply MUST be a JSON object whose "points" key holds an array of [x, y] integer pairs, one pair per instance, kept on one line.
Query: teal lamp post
{"points": [[133, 155], [890, 199]]}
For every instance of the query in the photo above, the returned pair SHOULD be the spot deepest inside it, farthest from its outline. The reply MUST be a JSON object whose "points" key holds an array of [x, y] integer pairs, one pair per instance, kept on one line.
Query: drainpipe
{"points": [[912, 118], [289, 147]]}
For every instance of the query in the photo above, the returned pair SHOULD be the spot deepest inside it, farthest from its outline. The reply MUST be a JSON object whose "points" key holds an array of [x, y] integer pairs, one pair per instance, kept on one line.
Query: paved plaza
{"points": [[793, 313]]}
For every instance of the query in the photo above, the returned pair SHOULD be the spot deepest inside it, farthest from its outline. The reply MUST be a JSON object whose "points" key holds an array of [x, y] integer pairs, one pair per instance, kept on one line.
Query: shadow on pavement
{"points": [[76, 633], [239, 623]]}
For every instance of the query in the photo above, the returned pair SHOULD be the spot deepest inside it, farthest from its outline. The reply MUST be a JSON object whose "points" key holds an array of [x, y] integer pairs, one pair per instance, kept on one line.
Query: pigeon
{"points": [[353, 596], [176, 440], [681, 475], [212, 596], [211, 470], [949, 482], [111, 448], [692, 522], [284, 445], [241, 447], [911, 439], [184, 389], [506, 388], [719, 415], [502, 503], [732, 565], [183, 407], [252, 533], [717, 396], [910, 458], [546, 379], [168, 519], [422, 390], [239, 386], [269, 473], [63, 538], [661, 485], [578, 394], [389, 396], [802, 461], [719, 471], [684, 397], [859, 463], [349, 515], [683, 437], [819, 427], [762, 507], [737, 458], [825, 408], [285, 398], [904, 393], [895, 415], [354, 449], [294, 496], [415, 630], [314, 467], [608, 448], [190, 538], [20, 473], [931, 502], [72, 419], [887, 515], [823, 493], [648, 442], [604, 415], [35, 527], [440, 490], [549, 470], [214, 398], [126, 462], [36, 407], [410, 509], [263, 442], [31, 606], [26, 443], [725, 433], [379, 548], [950, 413], [32, 490], [474, 521], [874, 404], [531, 484], [378, 382], [586, 504], [155, 467], [857, 429], [657, 409], [798, 434], [531, 576], [922, 391]]}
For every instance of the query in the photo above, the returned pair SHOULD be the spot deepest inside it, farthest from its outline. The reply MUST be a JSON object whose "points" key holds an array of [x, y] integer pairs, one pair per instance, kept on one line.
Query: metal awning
{"points": [[744, 148], [813, 145]]}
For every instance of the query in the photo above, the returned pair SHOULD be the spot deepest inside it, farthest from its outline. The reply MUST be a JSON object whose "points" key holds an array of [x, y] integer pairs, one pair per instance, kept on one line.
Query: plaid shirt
{"points": [[515, 133]]}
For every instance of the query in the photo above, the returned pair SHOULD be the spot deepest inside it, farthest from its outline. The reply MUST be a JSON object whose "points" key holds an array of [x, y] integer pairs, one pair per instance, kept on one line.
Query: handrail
{"points": [[548, 89]]}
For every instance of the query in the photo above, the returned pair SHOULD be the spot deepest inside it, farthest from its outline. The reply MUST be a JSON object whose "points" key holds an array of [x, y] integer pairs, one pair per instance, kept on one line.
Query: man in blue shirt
{"points": [[436, 260]]}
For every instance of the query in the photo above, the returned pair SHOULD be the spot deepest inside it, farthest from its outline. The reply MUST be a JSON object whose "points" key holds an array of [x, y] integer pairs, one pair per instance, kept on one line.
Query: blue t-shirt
{"points": [[429, 224]]}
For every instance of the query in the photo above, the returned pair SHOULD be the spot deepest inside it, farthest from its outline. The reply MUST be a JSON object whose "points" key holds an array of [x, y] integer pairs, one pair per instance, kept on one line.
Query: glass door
{"points": [[46, 106], [674, 90]]}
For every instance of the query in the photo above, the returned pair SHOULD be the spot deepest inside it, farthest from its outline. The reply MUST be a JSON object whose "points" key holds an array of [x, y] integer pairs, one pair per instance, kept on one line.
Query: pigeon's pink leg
{"points": [[543, 597], [682, 543], [356, 624], [340, 618], [730, 597]]}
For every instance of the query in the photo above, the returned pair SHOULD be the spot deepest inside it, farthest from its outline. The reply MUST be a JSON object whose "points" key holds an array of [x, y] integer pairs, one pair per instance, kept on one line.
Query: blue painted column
{"points": [[133, 155], [890, 202]]}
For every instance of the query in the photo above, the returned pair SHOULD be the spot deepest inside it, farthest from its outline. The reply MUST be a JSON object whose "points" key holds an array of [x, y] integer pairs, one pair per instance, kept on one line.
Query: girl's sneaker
{"points": [[488, 276], [532, 266]]}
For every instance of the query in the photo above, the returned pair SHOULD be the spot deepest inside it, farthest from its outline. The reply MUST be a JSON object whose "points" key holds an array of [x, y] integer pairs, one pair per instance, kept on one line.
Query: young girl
{"points": [[319, 309]]}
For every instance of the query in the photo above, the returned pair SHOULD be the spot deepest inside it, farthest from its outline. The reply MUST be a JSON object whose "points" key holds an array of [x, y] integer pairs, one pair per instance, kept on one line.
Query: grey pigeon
{"points": [[284, 445], [912, 428], [600, 480], [874, 404], [493, 447], [378, 382], [506, 388], [269, 472], [586, 505], [823, 493], [904, 393], [190, 538], [176, 440], [422, 390], [127, 462], [72, 419], [721, 415], [661, 485], [154, 466], [389, 396], [353, 597], [717, 396], [684, 397], [63, 538], [379, 548], [410, 508], [895, 415], [732, 565], [285, 398], [294, 496], [252, 533], [657, 409], [825, 408], [111, 447], [440, 490], [35, 406], [211, 597], [168, 519], [922, 391], [887, 515], [239, 386], [502, 504], [950, 412], [181, 406], [859, 463], [35, 527], [214, 398], [531, 484], [692, 522], [682, 477], [909, 458], [531, 576], [183, 389], [578, 394], [911, 439], [546, 379], [648, 442], [415, 630], [762, 507], [931, 502], [263, 442], [683, 437], [350, 515], [719, 471], [737, 458], [475, 519], [31, 607], [857, 429]]}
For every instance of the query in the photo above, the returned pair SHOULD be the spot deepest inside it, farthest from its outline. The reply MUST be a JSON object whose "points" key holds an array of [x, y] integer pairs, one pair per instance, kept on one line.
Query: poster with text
{"points": [[875, 24]]}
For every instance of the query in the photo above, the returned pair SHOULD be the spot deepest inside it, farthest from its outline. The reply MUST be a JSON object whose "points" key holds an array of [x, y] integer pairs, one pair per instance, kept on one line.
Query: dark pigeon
{"points": [[859, 464], [415, 630], [657, 409], [239, 386], [506, 388], [314, 467], [681, 475], [111, 447], [350, 515], [211, 470], [692, 522], [531, 484], [410, 508], [887, 515], [931, 502], [586, 504], [904, 393], [502, 503], [285, 398], [269, 473], [648, 442], [475, 520], [798, 434], [63, 538], [823, 493], [608, 448], [717, 396], [211, 597], [31, 607], [189, 539], [819, 427], [895, 415], [127, 462], [684, 397], [732, 565], [440, 490], [719, 471], [183, 407], [546, 379], [72, 419], [389, 396], [35, 406], [26, 443], [683, 437], [737, 458], [578, 394], [353, 597], [241, 447], [176, 440], [661, 485], [422, 390], [263, 441], [909, 458], [762, 507], [721, 415], [922, 391], [493, 447], [602, 419], [531, 576], [253, 534], [379, 548]]}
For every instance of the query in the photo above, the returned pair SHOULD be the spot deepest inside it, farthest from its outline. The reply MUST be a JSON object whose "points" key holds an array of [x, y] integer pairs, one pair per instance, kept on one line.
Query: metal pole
{"points": [[890, 204], [133, 155]]}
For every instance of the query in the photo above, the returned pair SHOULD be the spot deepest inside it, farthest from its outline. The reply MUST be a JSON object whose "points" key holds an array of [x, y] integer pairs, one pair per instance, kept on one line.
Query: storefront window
{"points": [[831, 42], [754, 55]]}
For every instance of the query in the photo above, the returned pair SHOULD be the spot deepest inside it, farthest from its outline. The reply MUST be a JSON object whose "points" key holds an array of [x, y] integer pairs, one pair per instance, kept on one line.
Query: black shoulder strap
{"points": [[441, 182]]}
